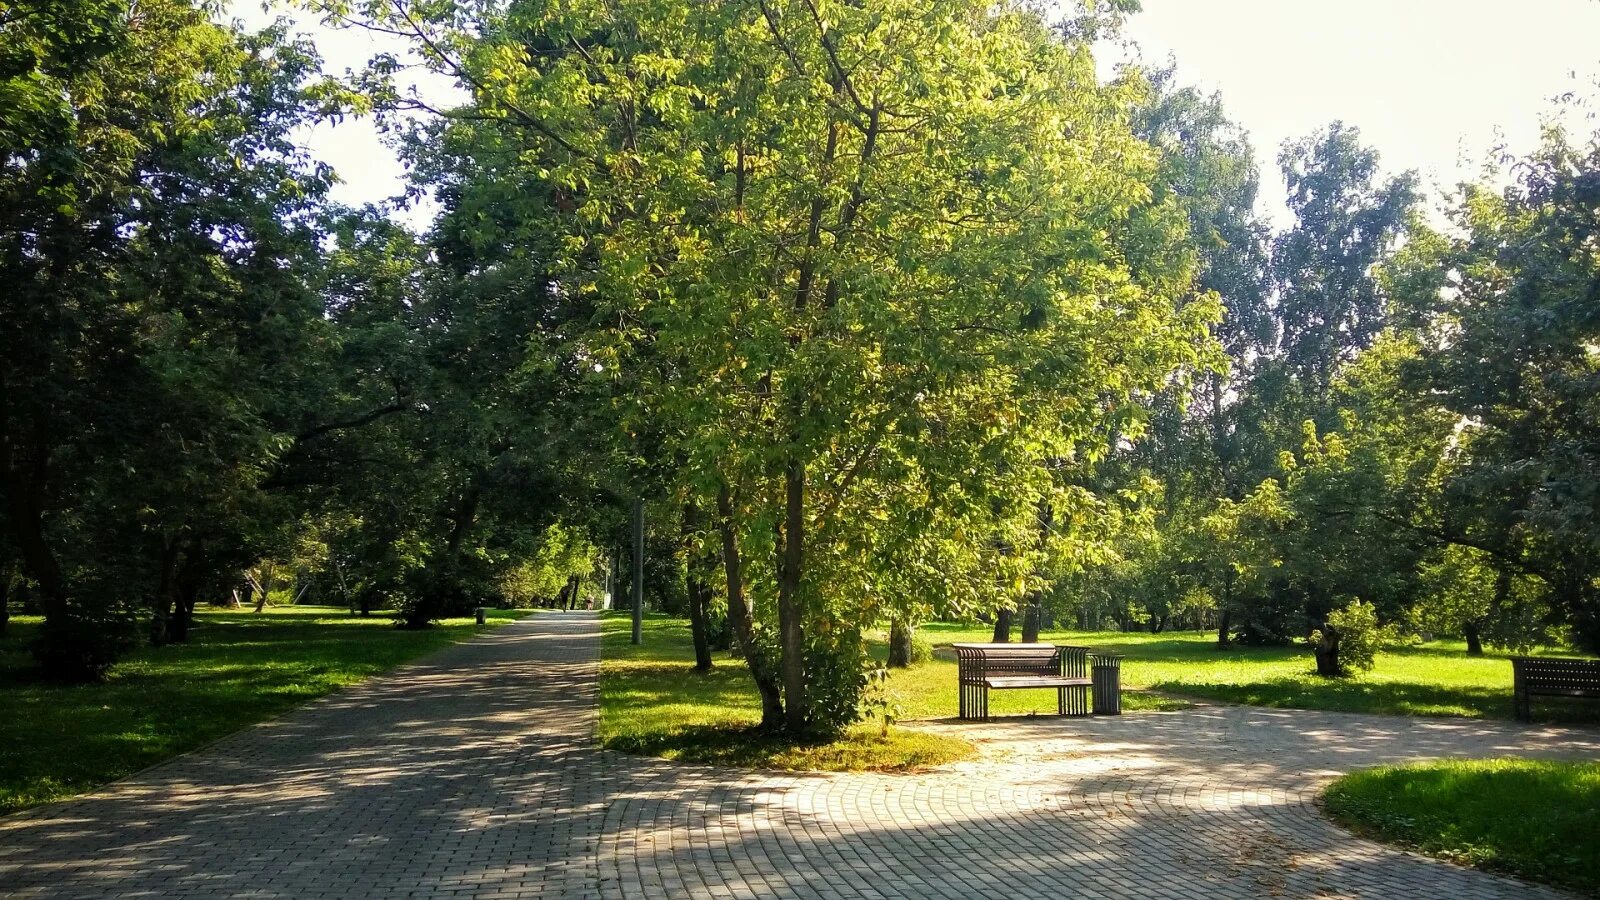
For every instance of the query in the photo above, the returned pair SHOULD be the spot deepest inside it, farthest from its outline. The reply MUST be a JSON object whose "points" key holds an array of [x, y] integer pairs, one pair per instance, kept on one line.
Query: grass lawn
{"points": [[1537, 820], [1433, 679], [651, 702], [238, 669]]}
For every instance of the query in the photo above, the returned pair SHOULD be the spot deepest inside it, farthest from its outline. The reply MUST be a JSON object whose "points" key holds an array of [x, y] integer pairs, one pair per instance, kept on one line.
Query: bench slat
{"points": [[1001, 682]]}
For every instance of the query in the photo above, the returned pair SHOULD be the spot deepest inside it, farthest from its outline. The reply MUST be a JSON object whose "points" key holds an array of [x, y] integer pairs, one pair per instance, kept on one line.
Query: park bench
{"points": [[986, 667], [1537, 676]]}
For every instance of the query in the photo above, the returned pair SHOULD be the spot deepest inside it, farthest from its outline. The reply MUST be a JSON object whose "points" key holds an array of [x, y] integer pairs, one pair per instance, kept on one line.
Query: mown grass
{"points": [[1433, 679], [239, 668], [653, 703], [1534, 819]]}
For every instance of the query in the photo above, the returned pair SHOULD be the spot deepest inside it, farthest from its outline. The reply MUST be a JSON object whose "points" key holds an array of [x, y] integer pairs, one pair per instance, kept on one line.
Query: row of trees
{"points": [[205, 364], [891, 310], [1408, 419]]}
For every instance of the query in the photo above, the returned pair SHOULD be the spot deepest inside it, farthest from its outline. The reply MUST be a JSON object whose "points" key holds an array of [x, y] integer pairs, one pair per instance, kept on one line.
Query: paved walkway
{"points": [[474, 775]]}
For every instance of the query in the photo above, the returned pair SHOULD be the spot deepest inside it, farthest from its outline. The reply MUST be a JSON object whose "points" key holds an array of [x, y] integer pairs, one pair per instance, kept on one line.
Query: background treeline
{"points": [[889, 311]]}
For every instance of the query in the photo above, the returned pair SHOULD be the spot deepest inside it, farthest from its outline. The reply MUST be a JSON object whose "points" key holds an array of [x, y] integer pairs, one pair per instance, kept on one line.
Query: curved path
{"points": [[474, 774]]}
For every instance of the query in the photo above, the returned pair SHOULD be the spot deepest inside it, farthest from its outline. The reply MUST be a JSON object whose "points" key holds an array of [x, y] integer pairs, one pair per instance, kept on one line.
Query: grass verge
{"points": [[1433, 679], [1534, 819], [653, 703], [238, 668]]}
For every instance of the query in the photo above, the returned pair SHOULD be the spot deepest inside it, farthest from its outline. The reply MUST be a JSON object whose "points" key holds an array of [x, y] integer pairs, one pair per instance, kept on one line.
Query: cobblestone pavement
{"points": [[474, 774]]}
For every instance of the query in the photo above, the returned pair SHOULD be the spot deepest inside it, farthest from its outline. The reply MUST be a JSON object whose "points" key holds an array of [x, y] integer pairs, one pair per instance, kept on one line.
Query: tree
{"points": [[881, 270], [1512, 358], [156, 227], [1347, 220]]}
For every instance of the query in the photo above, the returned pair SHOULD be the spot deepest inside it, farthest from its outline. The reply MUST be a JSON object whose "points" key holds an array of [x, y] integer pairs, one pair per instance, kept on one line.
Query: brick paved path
{"points": [[474, 775]]}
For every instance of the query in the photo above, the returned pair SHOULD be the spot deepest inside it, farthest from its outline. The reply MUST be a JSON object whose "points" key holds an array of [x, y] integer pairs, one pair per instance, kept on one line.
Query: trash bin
{"points": [[482, 614], [1107, 677]]}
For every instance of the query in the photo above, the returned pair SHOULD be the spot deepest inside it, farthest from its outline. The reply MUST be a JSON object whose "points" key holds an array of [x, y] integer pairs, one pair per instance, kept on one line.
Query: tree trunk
{"points": [[699, 591], [24, 512], [161, 603], [1224, 629], [1474, 639], [1032, 614], [183, 610], [264, 586], [900, 633], [741, 619], [1327, 652], [1002, 626], [791, 624], [5, 599]]}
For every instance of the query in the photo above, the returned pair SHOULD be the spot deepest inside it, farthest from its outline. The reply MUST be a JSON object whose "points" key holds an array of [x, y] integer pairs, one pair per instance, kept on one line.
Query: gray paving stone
{"points": [[475, 775]]}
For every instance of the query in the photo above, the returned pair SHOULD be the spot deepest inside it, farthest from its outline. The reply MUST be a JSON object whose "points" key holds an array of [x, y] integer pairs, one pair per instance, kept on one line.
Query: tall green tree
{"points": [[1512, 355], [879, 273], [156, 226]]}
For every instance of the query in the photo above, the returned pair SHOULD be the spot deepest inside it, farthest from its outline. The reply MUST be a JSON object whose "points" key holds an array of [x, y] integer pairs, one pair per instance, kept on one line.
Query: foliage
{"points": [[1354, 635], [563, 553], [1535, 819], [789, 218]]}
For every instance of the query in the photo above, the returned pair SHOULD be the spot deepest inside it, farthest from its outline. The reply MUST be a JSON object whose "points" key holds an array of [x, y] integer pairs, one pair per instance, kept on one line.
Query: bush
{"points": [[81, 645], [837, 671], [1348, 643]]}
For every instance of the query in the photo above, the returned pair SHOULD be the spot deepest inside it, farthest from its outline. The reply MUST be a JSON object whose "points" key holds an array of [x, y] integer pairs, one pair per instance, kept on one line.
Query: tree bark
{"points": [[5, 599], [1224, 629], [1002, 626], [1474, 639], [741, 619], [699, 591], [791, 626], [1327, 652], [183, 609], [161, 603], [900, 634], [1031, 616]]}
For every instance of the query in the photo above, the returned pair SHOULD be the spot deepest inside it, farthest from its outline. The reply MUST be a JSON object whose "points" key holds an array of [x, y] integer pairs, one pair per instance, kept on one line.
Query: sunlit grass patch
{"points": [[652, 702], [1539, 820], [1433, 679]]}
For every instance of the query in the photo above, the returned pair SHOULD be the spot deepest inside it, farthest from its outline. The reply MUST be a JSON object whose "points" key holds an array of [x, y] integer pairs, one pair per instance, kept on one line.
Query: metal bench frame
{"points": [[982, 667], [1544, 676]]}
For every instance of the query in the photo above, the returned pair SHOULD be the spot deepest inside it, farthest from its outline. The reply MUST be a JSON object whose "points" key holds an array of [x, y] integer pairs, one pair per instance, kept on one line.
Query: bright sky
{"points": [[1432, 84]]}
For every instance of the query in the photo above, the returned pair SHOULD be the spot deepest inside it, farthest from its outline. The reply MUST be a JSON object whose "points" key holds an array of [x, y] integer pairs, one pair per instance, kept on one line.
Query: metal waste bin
{"points": [[482, 614], [1107, 676]]}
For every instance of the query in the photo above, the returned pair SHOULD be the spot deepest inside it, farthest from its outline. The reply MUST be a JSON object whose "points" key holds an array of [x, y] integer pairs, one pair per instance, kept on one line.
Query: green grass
{"points": [[1433, 679], [653, 703], [1537, 820], [239, 668]]}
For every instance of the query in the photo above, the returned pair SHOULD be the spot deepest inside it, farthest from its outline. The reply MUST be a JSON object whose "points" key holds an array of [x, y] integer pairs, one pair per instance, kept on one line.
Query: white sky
{"points": [[1432, 84]]}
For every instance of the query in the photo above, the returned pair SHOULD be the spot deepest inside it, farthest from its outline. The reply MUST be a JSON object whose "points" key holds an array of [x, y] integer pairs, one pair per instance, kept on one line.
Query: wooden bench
{"points": [[986, 667], [1541, 676]]}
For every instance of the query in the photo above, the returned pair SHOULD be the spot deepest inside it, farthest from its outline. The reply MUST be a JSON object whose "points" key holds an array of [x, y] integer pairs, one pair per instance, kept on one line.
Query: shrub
{"points": [[837, 672], [81, 644], [1348, 643]]}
